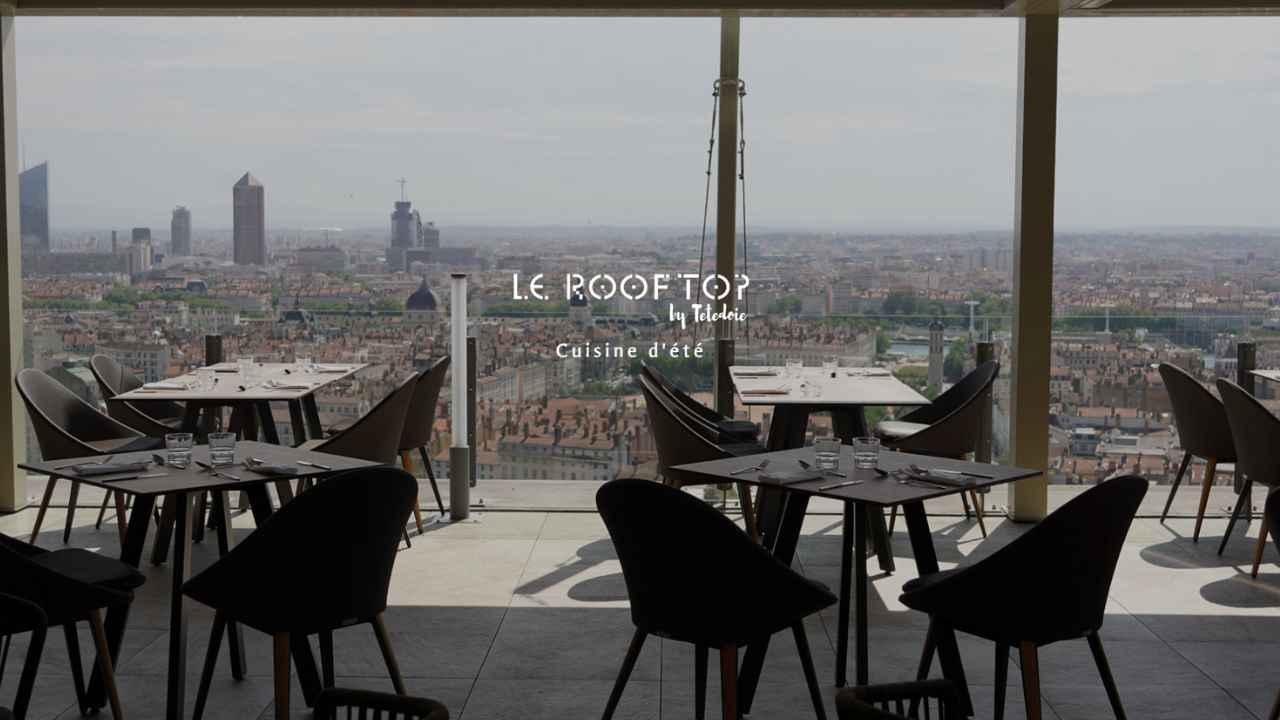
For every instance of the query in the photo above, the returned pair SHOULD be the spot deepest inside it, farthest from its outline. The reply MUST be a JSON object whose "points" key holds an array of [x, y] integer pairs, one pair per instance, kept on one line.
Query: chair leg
{"points": [[964, 500], [1209, 472], [71, 511], [282, 671], [1030, 679], [384, 644], [104, 660], [700, 656], [1104, 669], [629, 662], [1275, 709], [407, 461], [326, 658], [1177, 480], [431, 475], [810, 675], [893, 517], [210, 663], [102, 511], [1262, 544], [44, 507], [748, 510], [926, 656], [1002, 678], [122, 515], [1242, 503], [77, 670], [729, 682], [977, 510]]}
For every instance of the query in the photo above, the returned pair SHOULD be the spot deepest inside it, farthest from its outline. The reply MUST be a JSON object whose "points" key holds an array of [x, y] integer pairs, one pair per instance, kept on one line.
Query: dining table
{"points": [[874, 489], [179, 485]]}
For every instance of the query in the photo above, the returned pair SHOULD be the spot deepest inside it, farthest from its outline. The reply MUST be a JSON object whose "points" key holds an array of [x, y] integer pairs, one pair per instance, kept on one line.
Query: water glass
{"points": [[830, 363], [866, 452], [179, 446], [811, 389], [222, 448], [302, 358], [204, 379], [793, 367], [826, 453]]}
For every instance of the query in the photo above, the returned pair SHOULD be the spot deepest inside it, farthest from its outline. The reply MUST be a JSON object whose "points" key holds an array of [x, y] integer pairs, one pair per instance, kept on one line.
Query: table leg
{"points": [[787, 429], [268, 422], [313, 416], [226, 541], [846, 577], [788, 536], [164, 533], [860, 588], [788, 426], [926, 564], [298, 422], [191, 418], [135, 539], [182, 502]]}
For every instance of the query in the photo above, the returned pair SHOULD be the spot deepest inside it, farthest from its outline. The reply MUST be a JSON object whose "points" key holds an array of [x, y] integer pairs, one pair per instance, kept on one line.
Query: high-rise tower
{"points": [[180, 232], [249, 234], [33, 208], [937, 358]]}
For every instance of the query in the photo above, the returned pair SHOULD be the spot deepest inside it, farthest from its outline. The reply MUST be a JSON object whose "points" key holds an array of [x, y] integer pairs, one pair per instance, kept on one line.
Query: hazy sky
{"points": [[850, 123]]}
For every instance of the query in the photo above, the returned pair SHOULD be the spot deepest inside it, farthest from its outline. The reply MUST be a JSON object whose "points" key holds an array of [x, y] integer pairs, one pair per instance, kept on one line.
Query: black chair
{"points": [[18, 613], [1203, 431], [679, 443], [420, 425], [320, 563], [1048, 585], [384, 706], [68, 427], [733, 431], [156, 418], [860, 703], [693, 576], [1271, 511], [949, 427], [1257, 435], [69, 586]]}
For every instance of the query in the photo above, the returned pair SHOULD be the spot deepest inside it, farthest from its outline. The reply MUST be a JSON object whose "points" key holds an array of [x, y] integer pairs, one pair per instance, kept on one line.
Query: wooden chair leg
{"points": [[810, 675], [406, 460], [1030, 679], [71, 511], [893, 517], [629, 662], [1242, 504], [122, 514], [1209, 472], [104, 660], [44, 507], [1177, 480], [1275, 709], [700, 656], [384, 644], [1002, 678], [210, 663], [977, 510], [431, 475], [926, 655], [729, 682], [282, 672], [102, 511], [1262, 544], [1104, 669]]}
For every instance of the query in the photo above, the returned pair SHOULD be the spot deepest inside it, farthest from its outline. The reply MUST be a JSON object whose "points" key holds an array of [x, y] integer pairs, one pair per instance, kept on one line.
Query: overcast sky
{"points": [[851, 123]]}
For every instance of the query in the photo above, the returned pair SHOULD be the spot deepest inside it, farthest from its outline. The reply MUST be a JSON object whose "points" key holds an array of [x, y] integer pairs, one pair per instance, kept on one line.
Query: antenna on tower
{"points": [[401, 181]]}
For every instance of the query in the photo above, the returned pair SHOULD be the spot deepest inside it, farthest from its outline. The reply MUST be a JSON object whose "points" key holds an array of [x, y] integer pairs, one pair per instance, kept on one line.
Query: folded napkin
{"points": [[221, 368], [165, 386], [939, 477], [791, 476], [268, 467], [331, 368], [868, 373], [763, 372], [765, 391], [280, 385], [89, 469]]}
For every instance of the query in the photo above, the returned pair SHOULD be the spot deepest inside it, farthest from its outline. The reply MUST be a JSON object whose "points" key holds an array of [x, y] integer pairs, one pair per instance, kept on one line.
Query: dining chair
{"points": [[384, 706], [693, 576], [1203, 431], [899, 701], [321, 562], [420, 425], [949, 427], [678, 443], [156, 418], [1047, 585], [1271, 511], [67, 427], [69, 586], [735, 431], [1257, 435], [18, 615]]}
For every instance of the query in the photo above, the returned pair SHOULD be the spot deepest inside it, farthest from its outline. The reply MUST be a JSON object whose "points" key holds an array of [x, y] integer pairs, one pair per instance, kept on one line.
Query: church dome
{"points": [[578, 299], [422, 298]]}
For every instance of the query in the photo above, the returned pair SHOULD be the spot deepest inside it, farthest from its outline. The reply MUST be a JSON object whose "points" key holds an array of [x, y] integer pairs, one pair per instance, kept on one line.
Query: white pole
{"points": [[459, 454]]}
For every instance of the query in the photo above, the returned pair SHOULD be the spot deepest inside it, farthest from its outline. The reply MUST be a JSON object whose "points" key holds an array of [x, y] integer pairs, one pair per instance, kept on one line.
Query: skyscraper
{"points": [[406, 226], [180, 231], [249, 234], [33, 208], [141, 235]]}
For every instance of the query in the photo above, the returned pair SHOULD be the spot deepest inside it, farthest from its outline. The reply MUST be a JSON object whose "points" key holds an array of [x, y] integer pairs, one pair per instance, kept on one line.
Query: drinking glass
{"points": [[302, 358], [222, 448], [204, 379], [811, 389], [830, 363], [826, 453], [866, 452], [178, 446], [793, 367]]}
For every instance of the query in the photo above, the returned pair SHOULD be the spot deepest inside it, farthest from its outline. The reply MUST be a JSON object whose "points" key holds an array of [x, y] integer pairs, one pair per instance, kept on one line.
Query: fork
{"points": [[763, 464], [805, 465]]}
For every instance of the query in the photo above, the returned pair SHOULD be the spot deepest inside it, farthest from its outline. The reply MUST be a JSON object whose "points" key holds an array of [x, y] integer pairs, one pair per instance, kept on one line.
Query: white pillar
{"points": [[459, 453], [13, 436]]}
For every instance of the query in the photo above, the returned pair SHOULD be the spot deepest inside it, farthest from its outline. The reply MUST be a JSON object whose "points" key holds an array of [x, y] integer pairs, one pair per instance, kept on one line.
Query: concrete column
{"points": [[13, 440], [1033, 260]]}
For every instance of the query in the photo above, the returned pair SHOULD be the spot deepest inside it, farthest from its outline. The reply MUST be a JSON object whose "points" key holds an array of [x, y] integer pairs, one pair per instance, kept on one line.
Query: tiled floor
{"points": [[524, 615]]}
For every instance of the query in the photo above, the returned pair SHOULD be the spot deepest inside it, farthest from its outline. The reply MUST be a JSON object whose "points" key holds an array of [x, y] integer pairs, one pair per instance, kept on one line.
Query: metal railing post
{"points": [[471, 400], [986, 352], [1248, 354]]}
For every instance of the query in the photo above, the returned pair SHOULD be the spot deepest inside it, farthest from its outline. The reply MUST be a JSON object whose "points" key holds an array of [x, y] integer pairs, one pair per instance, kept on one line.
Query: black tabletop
{"points": [[875, 488], [193, 478]]}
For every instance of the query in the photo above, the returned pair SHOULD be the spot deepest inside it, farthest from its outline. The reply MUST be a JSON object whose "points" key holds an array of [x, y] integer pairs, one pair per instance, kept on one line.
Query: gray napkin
{"points": [[790, 476], [89, 469], [267, 467]]}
